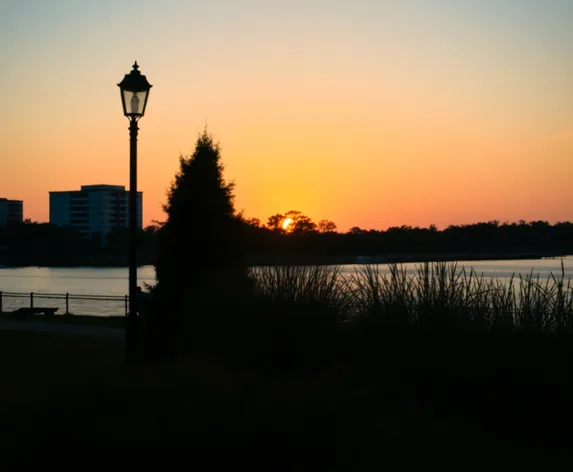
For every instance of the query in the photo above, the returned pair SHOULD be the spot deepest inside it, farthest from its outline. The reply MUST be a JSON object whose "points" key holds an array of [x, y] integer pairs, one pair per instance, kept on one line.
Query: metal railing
{"points": [[67, 303]]}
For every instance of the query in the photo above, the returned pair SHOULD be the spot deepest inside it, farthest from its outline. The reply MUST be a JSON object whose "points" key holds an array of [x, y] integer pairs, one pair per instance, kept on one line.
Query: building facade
{"points": [[11, 211], [94, 209]]}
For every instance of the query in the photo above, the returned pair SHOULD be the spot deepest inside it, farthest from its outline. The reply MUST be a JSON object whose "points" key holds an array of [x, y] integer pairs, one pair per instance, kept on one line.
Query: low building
{"points": [[94, 209], [11, 211]]}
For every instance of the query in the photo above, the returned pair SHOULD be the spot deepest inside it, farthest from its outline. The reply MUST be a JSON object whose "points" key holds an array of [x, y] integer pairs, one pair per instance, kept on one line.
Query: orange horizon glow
{"points": [[368, 114]]}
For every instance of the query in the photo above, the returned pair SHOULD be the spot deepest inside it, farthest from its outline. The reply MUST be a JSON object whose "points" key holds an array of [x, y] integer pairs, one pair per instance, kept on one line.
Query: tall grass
{"points": [[302, 304], [462, 342], [443, 298], [316, 286], [435, 298], [301, 310]]}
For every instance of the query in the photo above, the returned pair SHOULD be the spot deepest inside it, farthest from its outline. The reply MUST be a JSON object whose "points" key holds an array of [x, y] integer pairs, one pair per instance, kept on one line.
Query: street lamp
{"points": [[134, 94]]}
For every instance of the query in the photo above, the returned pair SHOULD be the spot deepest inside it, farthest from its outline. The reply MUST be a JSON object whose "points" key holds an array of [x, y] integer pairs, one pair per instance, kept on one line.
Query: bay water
{"points": [[112, 282]]}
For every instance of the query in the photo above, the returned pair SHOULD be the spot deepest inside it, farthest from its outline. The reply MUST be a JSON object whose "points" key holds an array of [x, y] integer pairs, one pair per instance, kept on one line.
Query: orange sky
{"points": [[371, 114]]}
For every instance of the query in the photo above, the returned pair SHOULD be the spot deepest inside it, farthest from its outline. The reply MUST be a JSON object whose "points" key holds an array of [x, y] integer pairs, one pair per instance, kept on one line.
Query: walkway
{"points": [[97, 331]]}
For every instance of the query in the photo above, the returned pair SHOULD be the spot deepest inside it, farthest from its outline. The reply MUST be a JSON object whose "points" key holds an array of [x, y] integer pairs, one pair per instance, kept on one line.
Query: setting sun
{"points": [[287, 222]]}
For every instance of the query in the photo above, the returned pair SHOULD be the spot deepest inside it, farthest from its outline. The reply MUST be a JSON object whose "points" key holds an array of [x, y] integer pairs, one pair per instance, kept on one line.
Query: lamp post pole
{"points": [[134, 94], [130, 331]]}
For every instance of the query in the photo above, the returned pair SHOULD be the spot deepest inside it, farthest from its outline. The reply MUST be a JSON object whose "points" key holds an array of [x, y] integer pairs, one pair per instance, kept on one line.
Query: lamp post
{"points": [[134, 94]]}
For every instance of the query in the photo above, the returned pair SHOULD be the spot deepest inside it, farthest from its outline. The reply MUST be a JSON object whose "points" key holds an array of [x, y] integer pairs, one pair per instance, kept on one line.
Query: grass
{"points": [[435, 368], [439, 305], [74, 387], [438, 297], [442, 298], [476, 347], [76, 320]]}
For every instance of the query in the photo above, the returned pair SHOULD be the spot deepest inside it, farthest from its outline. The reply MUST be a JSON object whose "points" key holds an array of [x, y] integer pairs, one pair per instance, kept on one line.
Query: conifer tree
{"points": [[199, 258], [202, 231]]}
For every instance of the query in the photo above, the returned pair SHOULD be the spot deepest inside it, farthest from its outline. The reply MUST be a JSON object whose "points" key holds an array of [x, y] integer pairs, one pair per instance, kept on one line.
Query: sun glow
{"points": [[286, 223]]}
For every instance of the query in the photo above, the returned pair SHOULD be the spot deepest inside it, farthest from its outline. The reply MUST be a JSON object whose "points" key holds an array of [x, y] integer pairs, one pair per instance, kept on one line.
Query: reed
{"points": [[318, 285], [312, 308], [443, 298]]}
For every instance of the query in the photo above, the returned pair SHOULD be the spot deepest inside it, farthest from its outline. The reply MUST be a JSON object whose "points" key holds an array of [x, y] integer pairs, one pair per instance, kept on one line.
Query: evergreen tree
{"points": [[201, 230], [199, 249]]}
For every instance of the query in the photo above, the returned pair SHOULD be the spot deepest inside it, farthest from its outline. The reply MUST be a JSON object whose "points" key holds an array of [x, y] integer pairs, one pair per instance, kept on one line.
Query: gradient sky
{"points": [[369, 113]]}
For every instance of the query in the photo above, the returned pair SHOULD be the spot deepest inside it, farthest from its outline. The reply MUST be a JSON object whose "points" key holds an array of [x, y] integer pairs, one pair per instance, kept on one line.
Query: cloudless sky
{"points": [[369, 113]]}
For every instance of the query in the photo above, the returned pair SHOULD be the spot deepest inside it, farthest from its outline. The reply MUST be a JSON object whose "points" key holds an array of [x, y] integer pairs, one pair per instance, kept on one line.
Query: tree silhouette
{"points": [[326, 226], [198, 246], [201, 227], [275, 222], [300, 224], [254, 222]]}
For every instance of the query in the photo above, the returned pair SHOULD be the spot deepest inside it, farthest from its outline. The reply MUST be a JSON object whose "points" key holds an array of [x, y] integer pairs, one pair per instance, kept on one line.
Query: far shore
{"points": [[287, 259]]}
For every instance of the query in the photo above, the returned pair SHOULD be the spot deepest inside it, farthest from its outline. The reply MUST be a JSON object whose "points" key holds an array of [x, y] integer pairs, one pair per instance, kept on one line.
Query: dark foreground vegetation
{"points": [[492, 358], [487, 361], [409, 371], [297, 368]]}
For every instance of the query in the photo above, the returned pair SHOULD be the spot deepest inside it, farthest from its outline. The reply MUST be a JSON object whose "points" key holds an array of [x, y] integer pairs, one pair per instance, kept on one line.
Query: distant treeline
{"points": [[44, 244], [490, 240]]}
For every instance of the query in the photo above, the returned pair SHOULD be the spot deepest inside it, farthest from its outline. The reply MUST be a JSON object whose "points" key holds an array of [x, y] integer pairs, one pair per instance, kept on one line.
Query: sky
{"points": [[370, 113]]}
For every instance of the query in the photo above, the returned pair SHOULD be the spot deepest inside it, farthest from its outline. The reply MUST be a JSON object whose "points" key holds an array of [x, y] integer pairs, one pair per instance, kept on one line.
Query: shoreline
{"points": [[283, 260]]}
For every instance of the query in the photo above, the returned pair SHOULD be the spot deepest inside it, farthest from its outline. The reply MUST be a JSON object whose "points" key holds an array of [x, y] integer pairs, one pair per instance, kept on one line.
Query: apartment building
{"points": [[94, 208], [11, 211]]}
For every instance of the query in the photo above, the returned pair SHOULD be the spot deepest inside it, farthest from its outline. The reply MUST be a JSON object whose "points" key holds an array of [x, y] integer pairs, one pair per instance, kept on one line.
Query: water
{"points": [[74, 280], [503, 269], [113, 282]]}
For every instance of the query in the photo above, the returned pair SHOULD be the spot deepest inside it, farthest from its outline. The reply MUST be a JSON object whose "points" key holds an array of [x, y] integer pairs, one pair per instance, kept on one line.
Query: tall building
{"points": [[94, 208], [11, 211]]}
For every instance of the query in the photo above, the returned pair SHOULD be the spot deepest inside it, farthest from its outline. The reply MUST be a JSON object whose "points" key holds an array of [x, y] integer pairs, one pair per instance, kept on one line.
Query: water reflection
{"points": [[113, 281]]}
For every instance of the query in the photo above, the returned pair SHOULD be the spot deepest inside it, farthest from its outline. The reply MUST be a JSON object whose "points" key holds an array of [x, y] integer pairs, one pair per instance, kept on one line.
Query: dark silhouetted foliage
{"points": [[272, 245], [201, 231], [199, 255], [327, 226], [45, 244]]}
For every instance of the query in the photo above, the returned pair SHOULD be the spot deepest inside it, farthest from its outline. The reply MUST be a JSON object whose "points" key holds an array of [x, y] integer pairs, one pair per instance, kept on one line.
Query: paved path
{"points": [[43, 327]]}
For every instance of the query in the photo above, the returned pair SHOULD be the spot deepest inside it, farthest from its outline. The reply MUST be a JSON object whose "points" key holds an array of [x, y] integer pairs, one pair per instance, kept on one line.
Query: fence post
{"points": [[32, 300], [126, 305], [67, 303]]}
